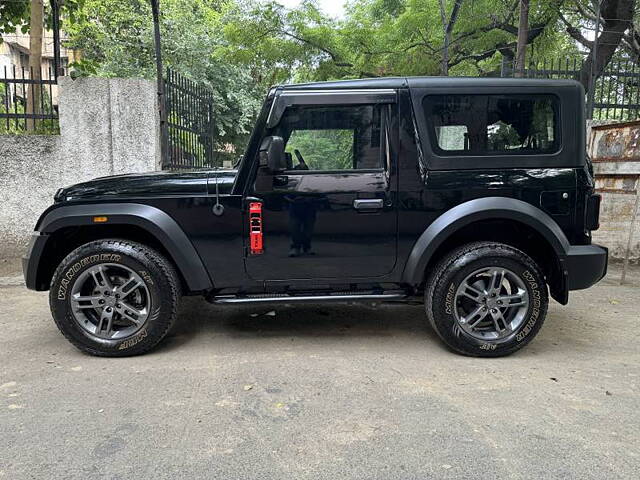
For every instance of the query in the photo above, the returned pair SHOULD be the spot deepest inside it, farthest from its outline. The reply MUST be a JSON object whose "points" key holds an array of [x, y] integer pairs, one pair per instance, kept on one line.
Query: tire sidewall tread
{"points": [[158, 274], [453, 268]]}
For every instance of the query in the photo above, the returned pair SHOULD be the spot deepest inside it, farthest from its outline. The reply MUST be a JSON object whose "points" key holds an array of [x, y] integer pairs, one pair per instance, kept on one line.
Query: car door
{"points": [[332, 214]]}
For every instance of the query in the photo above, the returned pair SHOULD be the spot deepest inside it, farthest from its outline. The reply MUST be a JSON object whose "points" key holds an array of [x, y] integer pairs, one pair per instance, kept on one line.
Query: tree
{"points": [[615, 26], [36, 27], [447, 27], [281, 44], [240, 47], [15, 14], [523, 33], [631, 38], [32, 17], [389, 37], [116, 37]]}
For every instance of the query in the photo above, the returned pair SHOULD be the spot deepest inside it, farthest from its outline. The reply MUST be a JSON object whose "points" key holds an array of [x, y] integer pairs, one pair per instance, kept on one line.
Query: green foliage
{"points": [[116, 38], [18, 126], [238, 48], [323, 149], [116, 35], [83, 68], [14, 14], [283, 45], [385, 38]]}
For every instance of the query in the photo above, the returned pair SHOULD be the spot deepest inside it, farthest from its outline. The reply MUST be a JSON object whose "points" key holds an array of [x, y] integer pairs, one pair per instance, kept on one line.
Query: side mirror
{"points": [[272, 154]]}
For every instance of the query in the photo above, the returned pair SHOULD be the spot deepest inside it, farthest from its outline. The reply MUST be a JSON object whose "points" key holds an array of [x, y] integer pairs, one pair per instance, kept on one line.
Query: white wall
{"points": [[107, 127]]}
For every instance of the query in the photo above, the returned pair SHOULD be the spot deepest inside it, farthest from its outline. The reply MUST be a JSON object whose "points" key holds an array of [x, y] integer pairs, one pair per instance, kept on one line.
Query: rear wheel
{"points": [[114, 297], [486, 299]]}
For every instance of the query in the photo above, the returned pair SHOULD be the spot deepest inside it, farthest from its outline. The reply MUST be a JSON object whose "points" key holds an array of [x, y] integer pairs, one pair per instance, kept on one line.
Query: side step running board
{"points": [[226, 299]]}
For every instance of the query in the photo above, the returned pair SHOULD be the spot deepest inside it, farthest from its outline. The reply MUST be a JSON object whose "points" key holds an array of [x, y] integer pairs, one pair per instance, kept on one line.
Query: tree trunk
{"points": [[34, 95], [444, 68], [617, 17], [523, 33], [447, 28]]}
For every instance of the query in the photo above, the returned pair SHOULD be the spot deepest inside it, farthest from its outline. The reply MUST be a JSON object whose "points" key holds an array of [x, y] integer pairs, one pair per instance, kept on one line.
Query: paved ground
{"points": [[323, 392]]}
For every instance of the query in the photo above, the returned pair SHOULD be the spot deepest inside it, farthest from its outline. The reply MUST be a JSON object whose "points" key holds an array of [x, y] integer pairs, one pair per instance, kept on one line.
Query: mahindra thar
{"points": [[474, 196]]}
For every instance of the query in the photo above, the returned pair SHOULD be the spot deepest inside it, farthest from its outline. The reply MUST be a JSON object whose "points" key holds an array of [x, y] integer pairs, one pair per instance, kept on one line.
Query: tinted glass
{"points": [[332, 138], [492, 124]]}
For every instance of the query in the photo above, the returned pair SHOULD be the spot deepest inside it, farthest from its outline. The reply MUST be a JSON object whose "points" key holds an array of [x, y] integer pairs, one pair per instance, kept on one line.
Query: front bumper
{"points": [[584, 266], [31, 261]]}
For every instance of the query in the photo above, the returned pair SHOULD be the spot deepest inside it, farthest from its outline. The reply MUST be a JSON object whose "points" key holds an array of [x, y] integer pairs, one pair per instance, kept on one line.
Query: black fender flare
{"points": [[155, 221], [476, 210]]}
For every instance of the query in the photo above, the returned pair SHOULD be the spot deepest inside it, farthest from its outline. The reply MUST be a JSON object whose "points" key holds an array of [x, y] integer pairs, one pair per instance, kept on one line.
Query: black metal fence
{"points": [[190, 131], [616, 93], [27, 101]]}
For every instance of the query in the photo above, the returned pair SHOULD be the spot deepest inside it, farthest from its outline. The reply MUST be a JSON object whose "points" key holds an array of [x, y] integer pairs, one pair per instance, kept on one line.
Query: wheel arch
{"points": [[500, 219], [70, 226]]}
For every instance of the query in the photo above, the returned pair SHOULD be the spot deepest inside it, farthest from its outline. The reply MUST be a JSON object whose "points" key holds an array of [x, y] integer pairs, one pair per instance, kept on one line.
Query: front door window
{"points": [[333, 138]]}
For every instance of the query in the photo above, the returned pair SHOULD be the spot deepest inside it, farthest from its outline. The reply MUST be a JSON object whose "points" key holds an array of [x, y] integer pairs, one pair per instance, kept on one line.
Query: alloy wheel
{"points": [[110, 301], [491, 303]]}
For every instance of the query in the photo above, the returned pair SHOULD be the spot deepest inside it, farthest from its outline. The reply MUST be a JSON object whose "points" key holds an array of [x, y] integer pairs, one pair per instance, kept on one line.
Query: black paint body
{"points": [[355, 249]]}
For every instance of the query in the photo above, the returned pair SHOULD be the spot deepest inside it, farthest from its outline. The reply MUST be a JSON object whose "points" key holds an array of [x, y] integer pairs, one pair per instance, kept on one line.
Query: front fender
{"points": [[153, 220], [476, 210]]}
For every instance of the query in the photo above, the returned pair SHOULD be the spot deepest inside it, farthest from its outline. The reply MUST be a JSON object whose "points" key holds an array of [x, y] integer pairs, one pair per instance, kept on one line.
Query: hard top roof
{"points": [[426, 82]]}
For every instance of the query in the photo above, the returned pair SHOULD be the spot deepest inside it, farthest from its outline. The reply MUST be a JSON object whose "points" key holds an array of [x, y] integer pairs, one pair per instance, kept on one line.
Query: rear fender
{"points": [[477, 210]]}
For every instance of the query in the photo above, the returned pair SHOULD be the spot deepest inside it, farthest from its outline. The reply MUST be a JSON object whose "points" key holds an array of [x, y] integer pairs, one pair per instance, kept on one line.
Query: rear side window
{"points": [[493, 124]]}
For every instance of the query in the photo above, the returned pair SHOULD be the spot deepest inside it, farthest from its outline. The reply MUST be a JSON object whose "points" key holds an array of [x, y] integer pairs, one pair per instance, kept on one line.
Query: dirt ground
{"points": [[332, 392]]}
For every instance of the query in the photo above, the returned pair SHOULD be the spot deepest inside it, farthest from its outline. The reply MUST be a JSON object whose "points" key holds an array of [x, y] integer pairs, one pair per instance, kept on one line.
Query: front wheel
{"points": [[114, 297], [486, 299]]}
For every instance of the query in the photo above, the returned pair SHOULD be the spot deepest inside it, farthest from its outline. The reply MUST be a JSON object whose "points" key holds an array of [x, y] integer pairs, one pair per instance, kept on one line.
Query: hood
{"points": [[141, 185], [222, 179]]}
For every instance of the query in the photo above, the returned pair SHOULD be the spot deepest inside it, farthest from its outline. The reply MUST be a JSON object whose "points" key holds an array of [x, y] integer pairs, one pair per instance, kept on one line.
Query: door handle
{"points": [[367, 203]]}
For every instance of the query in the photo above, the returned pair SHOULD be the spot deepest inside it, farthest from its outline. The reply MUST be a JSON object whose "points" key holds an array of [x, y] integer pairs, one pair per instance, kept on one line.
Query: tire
{"points": [[467, 293], [114, 298]]}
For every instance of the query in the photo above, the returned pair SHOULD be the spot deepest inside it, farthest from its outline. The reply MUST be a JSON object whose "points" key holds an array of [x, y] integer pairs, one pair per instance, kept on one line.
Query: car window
{"points": [[330, 149], [452, 137], [492, 124], [332, 138]]}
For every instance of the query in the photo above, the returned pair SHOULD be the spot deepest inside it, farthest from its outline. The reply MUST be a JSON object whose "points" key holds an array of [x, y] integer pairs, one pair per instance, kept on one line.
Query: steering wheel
{"points": [[300, 158]]}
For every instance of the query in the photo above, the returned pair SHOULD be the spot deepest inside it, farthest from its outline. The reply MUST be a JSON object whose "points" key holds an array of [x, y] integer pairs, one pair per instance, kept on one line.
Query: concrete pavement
{"points": [[323, 392]]}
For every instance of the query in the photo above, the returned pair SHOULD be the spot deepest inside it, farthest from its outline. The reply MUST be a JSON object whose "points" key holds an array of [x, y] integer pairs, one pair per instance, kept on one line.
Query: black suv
{"points": [[474, 194]]}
